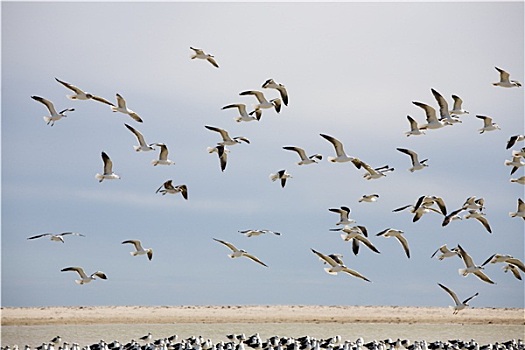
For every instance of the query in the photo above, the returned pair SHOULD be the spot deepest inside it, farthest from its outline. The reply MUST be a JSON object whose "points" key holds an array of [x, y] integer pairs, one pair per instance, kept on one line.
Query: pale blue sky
{"points": [[352, 71]]}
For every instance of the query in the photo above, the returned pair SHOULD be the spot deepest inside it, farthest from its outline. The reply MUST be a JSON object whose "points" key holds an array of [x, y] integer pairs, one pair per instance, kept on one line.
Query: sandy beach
{"points": [[256, 314]]}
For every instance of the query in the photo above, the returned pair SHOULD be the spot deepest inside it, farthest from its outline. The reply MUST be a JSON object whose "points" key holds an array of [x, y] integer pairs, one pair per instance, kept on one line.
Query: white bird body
{"points": [[504, 80], [83, 277], [488, 125], [143, 146], [280, 175], [271, 84], [521, 210], [122, 108], [243, 115], [459, 305], [263, 102], [313, 159], [200, 54], [416, 163], [139, 250], [56, 237], [108, 173], [337, 265], [54, 115], [163, 156], [414, 128], [237, 253]]}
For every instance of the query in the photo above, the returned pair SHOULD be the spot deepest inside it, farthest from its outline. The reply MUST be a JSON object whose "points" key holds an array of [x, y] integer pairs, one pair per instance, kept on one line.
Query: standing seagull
{"points": [[504, 80], [121, 107], [337, 265], [470, 267], [488, 125], [416, 164], [226, 139], [56, 237], [83, 277], [236, 253], [263, 102], [282, 175], [163, 156], [54, 115], [341, 156], [139, 250], [414, 128], [81, 95], [432, 121], [458, 103], [315, 158], [271, 84], [244, 116], [200, 54], [223, 154], [521, 210], [167, 187], [389, 232], [108, 170], [344, 215], [460, 305], [143, 146]]}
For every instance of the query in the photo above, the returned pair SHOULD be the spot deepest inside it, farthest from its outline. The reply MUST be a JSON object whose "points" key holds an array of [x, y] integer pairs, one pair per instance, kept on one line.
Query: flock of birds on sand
{"points": [[356, 234], [256, 342]]}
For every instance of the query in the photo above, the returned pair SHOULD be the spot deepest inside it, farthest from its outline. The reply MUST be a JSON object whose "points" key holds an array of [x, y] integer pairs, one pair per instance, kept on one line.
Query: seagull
{"points": [[504, 80], [521, 210], [250, 233], [427, 201], [488, 125], [282, 175], [271, 84], [432, 121], [200, 54], [83, 277], [81, 95], [369, 198], [356, 234], [515, 163], [121, 107], [389, 232], [473, 203], [167, 187], [519, 180], [263, 102], [443, 109], [418, 213], [315, 158], [244, 116], [452, 216], [143, 146], [501, 258], [471, 267], [139, 250], [458, 109], [341, 156], [445, 252], [513, 139], [414, 128], [372, 173], [416, 164], [147, 337], [56, 237], [54, 115], [512, 268], [344, 213], [223, 154], [474, 214], [236, 253], [226, 139], [337, 265], [108, 170], [163, 156], [460, 305]]}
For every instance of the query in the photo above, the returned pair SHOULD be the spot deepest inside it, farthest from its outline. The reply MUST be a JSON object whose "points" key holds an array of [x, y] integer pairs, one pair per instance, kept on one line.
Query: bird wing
{"points": [[366, 242], [228, 244], [484, 222], [108, 164], [47, 103], [139, 136], [404, 243], [163, 155], [483, 277], [70, 233], [197, 51], [487, 121], [429, 111], [413, 123], [78, 270], [488, 260], [354, 273], [470, 298], [401, 208], [443, 104], [451, 293], [284, 94], [521, 205], [150, 254], [183, 190], [70, 87], [325, 258], [240, 106], [503, 75], [412, 154], [135, 242], [254, 258], [514, 270], [224, 134], [259, 95], [383, 232], [223, 156], [100, 274], [336, 143], [516, 262], [466, 258], [38, 236], [457, 102], [103, 100], [300, 151], [121, 102], [212, 61]]}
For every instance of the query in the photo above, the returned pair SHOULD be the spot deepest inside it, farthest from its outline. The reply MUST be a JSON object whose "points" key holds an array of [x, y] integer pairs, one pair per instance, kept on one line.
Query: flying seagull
{"points": [[139, 250], [356, 234], [163, 156], [226, 139], [504, 80], [167, 187], [445, 252], [271, 84], [51, 108], [244, 116], [56, 237], [263, 102], [414, 128], [519, 180], [315, 158], [108, 170], [416, 164], [460, 305], [82, 95], [337, 265], [372, 173], [223, 154], [512, 268], [488, 125], [515, 163], [432, 120], [471, 268], [501, 258], [281, 175], [389, 232], [513, 139], [443, 109], [122, 108], [458, 106], [83, 277], [252, 233], [341, 156], [521, 210], [369, 198], [200, 54], [474, 214], [344, 215], [143, 146], [236, 253]]}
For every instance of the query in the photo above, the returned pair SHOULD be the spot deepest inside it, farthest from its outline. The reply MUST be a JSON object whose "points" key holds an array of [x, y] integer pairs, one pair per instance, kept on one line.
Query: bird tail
{"points": [[211, 149], [344, 236], [47, 119], [331, 159], [133, 253], [154, 162], [99, 177], [79, 282], [136, 148], [329, 271], [274, 177], [462, 272], [513, 214]]}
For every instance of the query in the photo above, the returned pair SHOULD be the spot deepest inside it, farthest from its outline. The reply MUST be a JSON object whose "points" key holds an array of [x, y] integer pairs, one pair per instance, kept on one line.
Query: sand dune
{"points": [[257, 314]]}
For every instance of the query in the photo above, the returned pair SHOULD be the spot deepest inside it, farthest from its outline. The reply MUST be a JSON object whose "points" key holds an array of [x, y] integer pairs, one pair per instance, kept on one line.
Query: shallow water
{"points": [[89, 334]]}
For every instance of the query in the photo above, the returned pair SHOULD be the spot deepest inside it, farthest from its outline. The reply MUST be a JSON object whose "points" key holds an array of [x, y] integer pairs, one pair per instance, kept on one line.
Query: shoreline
{"points": [[80, 315]]}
